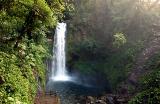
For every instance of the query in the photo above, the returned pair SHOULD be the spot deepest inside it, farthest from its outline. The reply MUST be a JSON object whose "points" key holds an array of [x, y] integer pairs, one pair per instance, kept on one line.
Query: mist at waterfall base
{"points": [[68, 85]]}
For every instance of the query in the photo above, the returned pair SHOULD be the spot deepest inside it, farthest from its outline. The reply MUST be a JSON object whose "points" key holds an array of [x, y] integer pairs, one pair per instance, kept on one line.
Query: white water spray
{"points": [[59, 72]]}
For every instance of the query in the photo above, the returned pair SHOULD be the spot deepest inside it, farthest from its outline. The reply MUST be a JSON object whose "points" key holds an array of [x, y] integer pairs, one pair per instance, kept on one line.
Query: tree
{"points": [[24, 27]]}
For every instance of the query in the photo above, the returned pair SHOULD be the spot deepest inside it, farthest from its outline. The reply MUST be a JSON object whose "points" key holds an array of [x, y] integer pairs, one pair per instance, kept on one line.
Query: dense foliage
{"points": [[106, 36], [149, 89], [150, 92], [109, 36], [24, 26]]}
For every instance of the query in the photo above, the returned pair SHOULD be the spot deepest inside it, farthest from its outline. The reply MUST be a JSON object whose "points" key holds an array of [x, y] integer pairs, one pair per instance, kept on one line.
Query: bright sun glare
{"points": [[158, 1]]}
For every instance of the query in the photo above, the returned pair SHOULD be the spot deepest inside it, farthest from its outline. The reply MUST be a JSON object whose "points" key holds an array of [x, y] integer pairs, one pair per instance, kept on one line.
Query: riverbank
{"points": [[105, 99], [46, 98]]}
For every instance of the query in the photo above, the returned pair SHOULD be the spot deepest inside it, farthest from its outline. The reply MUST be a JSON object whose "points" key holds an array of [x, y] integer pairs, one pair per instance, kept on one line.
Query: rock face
{"points": [[106, 99], [139, 69], [48, 98]]}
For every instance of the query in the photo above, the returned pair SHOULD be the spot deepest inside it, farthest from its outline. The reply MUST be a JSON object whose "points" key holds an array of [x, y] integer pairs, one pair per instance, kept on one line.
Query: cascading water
{"points": [[59, 72], [67, 87]]}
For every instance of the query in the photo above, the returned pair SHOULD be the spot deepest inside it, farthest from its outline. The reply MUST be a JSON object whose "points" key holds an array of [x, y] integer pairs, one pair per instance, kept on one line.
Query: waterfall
{"points": [[59, 72]]}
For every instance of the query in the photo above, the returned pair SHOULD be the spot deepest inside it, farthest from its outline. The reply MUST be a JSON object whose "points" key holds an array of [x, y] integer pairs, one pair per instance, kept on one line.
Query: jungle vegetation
{"points": [[112, 37], [25, 27], [104, 36]]}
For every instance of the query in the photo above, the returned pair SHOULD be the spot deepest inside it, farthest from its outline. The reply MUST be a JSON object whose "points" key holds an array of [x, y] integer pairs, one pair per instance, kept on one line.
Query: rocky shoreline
{"points": [[105, 99], [52, 98]]}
